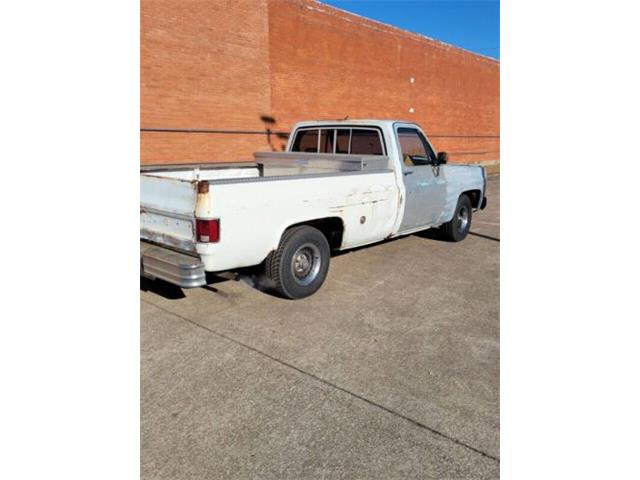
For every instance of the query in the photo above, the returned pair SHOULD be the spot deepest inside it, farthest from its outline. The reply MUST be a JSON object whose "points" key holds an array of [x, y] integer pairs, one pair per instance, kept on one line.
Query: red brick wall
{"points": [[204, 64], [225, 66]]}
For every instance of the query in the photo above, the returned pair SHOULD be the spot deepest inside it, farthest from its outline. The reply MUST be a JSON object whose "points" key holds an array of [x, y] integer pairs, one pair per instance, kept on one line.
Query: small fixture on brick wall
{"points": [[411, 110], [412, 80]]}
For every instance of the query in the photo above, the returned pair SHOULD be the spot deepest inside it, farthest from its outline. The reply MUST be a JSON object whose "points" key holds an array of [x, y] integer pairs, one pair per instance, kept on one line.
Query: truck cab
{"points": [[420, 172]]}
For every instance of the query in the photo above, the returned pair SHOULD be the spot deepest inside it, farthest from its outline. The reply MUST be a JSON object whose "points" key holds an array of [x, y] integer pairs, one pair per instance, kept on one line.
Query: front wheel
{"points": [[300, 265], [458, 228]]}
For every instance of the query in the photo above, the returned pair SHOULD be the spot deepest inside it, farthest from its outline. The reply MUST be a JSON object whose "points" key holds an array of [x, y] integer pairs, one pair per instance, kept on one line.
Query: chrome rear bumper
{"points": [[177, 268]]}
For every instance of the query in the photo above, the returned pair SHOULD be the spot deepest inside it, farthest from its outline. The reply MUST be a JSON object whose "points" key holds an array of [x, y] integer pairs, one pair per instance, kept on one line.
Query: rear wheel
{"points": [[458, 228], [300, 265]]}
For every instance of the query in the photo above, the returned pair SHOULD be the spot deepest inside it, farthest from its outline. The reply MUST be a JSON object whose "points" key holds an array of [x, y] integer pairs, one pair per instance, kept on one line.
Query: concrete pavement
{"points": [[391, 370]]}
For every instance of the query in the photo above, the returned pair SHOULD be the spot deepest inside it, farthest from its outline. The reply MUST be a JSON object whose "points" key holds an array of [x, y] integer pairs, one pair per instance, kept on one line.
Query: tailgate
{"points": [[167, 207]]}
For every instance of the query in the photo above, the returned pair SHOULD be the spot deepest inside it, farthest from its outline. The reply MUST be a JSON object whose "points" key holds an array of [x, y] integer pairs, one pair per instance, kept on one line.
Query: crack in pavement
{"points": [[328, 383]]}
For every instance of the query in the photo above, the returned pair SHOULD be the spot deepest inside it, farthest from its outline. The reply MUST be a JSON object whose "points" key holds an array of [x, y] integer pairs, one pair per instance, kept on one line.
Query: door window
{"points": [[414, 147]]}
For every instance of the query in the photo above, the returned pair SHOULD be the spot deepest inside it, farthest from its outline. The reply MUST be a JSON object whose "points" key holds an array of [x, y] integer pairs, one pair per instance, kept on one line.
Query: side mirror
{"points": [[443, 157]]}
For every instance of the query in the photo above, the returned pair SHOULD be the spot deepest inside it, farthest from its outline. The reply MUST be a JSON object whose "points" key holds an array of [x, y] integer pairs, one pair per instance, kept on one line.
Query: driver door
{"points": [[424, 182]]}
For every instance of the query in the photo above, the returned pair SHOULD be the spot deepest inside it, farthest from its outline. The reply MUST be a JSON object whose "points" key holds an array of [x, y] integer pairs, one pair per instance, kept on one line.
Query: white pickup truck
{"points": [[339, 185]]}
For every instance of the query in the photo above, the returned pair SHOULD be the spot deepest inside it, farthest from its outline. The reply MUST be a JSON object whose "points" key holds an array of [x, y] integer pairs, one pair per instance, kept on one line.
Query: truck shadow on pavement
{"points": [[429, 234], [162, 288], [256, 278], [434, 234], [174, 292]]}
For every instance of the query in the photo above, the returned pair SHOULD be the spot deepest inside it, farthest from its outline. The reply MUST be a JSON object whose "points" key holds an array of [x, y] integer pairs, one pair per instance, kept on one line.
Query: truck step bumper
{"points": [[173, 267]]}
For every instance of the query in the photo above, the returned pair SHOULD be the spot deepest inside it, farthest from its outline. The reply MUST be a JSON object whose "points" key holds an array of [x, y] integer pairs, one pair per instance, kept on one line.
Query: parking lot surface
{"points": [[390, 371]]}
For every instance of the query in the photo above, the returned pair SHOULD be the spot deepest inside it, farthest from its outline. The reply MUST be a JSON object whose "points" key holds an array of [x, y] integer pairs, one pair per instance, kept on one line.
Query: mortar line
{"points": [[328, 383]]}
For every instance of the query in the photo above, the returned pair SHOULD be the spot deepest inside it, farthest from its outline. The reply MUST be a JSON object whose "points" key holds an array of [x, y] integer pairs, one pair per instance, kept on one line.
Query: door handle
{"points": [[408, 173]]}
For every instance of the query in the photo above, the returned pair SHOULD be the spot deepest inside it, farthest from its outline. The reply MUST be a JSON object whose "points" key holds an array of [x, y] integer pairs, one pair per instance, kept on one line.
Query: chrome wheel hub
{"points": [[302, 264], [463, 219], [305, 264]]}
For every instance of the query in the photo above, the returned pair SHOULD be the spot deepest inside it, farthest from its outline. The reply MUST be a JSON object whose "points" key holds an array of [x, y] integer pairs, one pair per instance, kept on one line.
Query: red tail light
{"points": [[208, 231]]}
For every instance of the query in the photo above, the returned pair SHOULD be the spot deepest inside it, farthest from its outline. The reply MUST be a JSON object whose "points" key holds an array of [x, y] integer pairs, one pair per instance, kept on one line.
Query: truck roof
{"points": [[350, 121]]}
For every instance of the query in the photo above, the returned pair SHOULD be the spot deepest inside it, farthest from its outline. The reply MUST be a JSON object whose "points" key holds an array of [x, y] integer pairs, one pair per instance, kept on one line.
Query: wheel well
{"points": [[474, 196], [331, 227]]}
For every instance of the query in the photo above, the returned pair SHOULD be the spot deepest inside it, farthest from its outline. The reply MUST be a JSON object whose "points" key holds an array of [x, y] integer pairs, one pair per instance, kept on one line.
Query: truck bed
{"points": [[168, 193]]}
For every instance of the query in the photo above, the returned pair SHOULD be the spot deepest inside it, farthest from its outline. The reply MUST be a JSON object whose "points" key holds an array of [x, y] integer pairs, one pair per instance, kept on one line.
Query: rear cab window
{"points": [[306, 141], [326, 140], [365, 142], [343, 140]]}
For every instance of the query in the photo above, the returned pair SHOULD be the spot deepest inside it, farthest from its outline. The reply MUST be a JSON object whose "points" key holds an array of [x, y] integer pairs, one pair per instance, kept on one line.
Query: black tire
{"points": [[300, 265], [458, 228]]}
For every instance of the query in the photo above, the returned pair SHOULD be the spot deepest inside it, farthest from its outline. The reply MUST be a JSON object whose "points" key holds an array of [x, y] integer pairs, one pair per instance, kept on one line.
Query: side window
{"points": [[326, 141], [306, 141], [365, 142], [342, 140], [412, 143]]}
